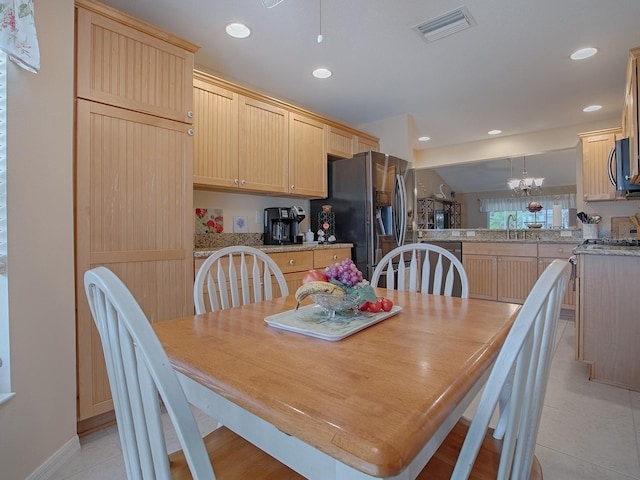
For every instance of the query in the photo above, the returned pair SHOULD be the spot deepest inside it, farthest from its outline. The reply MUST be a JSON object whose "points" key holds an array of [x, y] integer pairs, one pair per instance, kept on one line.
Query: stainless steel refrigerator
{"points": [[373, 198]]}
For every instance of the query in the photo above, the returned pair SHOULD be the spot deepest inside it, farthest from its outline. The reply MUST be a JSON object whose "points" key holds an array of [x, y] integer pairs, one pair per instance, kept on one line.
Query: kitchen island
{"points": [[607, 326]]}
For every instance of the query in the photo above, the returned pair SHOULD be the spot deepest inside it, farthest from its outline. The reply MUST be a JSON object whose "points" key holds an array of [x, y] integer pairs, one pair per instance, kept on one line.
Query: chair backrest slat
{"points": [[140, 376], [248, 277], [521, 369], [418, 276]]}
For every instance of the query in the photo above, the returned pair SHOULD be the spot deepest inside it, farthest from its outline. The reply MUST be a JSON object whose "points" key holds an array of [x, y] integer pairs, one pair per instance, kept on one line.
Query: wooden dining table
{"points": [[376, 404]]}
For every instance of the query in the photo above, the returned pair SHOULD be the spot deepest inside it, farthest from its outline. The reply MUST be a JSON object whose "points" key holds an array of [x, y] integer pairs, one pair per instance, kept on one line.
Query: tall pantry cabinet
{"points": [[133, 168]]}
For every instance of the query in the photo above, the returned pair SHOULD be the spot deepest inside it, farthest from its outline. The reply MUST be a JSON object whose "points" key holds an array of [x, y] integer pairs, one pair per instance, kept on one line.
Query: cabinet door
{"points": [[307, 157], [323, 257], [569, 299], [595, 157], [364, 145], [215, 153], [516, 278], [126, 67], [547, 253], [340, 142], [482, 273], [263, 148], [133, 204]]}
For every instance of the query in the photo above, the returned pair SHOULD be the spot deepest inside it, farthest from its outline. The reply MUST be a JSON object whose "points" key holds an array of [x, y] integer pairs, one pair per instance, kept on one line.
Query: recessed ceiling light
{"points": [[322, 73], [494, 132], [237, 30], [424, 139], [592, 108], [584, 53]]}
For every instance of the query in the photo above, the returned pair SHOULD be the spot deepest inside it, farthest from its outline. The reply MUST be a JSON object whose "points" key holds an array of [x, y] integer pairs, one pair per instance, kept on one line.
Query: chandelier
{"points": [[524, 186]]}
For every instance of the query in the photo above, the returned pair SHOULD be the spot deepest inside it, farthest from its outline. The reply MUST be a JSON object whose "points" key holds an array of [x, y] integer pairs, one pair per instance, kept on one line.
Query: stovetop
{"points": [[613, 242]]}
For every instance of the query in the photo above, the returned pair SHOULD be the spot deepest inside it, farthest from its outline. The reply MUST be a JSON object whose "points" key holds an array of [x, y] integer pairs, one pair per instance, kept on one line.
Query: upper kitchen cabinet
{"points": [[307, 157], [264, 147], [596, 147], [215, 125], [364, 144], [240, 143], [127, 63], [245, 141], [631, 114], [340, 143]]}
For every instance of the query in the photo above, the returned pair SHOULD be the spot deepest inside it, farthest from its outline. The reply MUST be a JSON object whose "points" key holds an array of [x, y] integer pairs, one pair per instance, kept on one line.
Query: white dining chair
{"points": [[410, 267], [522, 367], [141, 378], [235, 276]]}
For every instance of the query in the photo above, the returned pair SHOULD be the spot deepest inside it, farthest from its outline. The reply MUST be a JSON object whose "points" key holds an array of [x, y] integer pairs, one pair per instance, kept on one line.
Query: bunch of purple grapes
{"points": [[344, 272]]}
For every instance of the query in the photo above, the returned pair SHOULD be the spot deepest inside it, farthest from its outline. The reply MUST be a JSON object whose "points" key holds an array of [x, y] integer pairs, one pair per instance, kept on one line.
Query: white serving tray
{"points": [[313, 320]]}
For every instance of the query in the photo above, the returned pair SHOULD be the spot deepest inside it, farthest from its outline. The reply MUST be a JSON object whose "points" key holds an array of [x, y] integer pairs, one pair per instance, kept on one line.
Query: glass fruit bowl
{"points": [[337, 303]]}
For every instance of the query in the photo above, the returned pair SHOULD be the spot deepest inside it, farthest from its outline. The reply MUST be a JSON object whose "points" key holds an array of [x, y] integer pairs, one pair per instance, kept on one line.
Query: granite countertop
{"points": [[607, 250], [205, 252], [569, 235]]}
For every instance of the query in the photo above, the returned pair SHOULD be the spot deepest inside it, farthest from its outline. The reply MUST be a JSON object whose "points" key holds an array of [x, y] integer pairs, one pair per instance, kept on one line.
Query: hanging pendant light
{"points": [[524, 186]]}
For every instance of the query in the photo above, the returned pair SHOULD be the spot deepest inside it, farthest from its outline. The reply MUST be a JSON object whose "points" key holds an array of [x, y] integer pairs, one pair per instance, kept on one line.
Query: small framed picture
{"points": [[240, 225]]}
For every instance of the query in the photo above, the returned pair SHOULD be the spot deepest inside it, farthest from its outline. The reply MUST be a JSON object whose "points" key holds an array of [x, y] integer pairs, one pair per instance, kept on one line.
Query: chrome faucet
{"points": [[509, 218]]}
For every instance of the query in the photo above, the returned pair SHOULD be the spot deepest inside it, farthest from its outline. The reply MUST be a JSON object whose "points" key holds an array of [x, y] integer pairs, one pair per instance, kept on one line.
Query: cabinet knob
{"points": [[236, 181], [335, 257], [190, 132], [243, 182], [292, 187], [190, 114], [291, 262], [561, 250]]}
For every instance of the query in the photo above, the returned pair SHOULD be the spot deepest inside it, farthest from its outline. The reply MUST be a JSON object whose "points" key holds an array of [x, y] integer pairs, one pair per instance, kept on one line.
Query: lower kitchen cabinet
{"points": [[295, 263], [607, 327], [500, 271], [547, 253]]}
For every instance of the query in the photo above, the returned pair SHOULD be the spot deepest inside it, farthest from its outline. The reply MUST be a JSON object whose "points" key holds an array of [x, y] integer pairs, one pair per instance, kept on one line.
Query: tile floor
{"points": [[588, 431]]}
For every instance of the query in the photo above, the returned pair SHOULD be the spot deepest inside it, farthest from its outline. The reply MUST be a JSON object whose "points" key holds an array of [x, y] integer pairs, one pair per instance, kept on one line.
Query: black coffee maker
{"points": [[281, 224]]}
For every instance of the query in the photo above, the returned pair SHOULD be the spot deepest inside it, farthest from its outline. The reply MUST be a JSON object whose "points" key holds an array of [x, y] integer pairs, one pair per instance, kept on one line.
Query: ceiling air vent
{"points": [[446, 24]]}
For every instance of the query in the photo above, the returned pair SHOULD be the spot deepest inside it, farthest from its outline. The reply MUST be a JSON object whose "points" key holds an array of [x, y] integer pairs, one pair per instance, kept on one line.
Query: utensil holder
{"points": [[589, 231]]}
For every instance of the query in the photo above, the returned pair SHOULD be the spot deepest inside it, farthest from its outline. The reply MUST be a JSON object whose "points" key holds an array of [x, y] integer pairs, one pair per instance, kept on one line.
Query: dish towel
{"points": [[18, 37]]}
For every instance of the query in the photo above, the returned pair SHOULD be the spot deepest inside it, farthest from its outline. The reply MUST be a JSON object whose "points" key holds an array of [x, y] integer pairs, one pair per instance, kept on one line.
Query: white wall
{"points": [[237, 204], [41, 419]]}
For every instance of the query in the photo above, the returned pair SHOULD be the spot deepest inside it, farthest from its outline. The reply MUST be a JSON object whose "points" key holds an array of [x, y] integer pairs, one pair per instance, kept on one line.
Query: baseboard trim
{"points": [[56, 461]]}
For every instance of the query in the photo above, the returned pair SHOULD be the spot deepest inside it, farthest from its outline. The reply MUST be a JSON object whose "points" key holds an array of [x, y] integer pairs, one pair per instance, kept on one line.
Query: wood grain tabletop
{"points": [[371, 400]]}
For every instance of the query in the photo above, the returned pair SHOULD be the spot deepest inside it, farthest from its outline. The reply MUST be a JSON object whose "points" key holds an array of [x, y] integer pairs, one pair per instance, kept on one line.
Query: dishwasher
{"points": [[454, 248]]}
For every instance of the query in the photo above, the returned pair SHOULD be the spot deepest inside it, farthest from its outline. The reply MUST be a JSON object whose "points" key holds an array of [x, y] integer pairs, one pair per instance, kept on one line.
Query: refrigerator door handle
{"points": [[402, 210]]}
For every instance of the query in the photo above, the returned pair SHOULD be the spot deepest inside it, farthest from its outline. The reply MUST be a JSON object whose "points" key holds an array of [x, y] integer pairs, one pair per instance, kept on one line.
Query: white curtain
{"points": [[18, 37], [506, 204]]}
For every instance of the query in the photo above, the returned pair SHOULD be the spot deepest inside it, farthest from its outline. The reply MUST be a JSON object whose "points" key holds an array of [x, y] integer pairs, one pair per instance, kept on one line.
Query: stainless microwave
{"points": [[620, 168]]}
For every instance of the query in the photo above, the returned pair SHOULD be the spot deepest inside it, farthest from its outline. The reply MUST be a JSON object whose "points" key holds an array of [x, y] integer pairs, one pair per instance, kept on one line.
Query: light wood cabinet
{"points": [[251, 143], [133, 170], [307, 157], [296, 263], [549, 252], [340, 143], [124, 62], [631, 113], [216, 140], [596, 147], [363, 144], [607, 323], [241, 143], [264, 147], [500, 271]]}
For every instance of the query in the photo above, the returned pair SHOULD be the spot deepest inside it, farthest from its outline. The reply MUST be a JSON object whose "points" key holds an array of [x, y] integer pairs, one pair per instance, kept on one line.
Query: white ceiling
{"points": [[511, 71], [557, 168]]}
